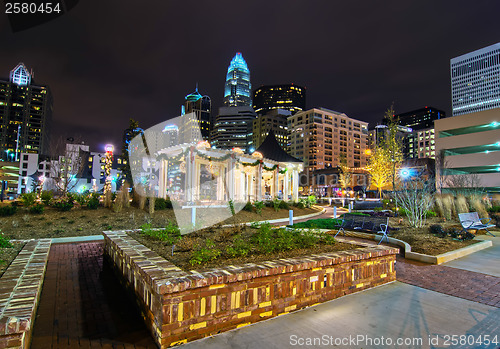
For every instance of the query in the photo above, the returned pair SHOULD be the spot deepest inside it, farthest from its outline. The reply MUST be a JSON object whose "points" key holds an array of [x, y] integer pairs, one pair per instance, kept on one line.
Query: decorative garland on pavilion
{"points": [[179, 159]]}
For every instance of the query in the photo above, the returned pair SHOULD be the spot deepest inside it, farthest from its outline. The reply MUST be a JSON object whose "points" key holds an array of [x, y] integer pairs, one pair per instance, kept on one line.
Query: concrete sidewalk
{"points": [[391, 311], [461, 298]]}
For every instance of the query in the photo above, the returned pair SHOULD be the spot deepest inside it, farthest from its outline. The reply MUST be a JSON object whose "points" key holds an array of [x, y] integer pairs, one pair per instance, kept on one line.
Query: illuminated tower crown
{"points": [[238, 87]]}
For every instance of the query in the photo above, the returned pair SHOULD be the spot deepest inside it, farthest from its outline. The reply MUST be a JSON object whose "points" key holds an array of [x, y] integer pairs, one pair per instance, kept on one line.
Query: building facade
{"points": [[319, 137], [475, 80], [201, 106], [25, 114], [287, 97], [84, 170], [233, 128], [470, 145], [418, 132], [276, 121], [237, 90]]}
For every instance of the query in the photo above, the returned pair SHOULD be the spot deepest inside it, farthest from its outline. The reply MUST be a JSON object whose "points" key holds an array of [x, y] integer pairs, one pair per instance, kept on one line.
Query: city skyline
{"points": [[355, 59]]}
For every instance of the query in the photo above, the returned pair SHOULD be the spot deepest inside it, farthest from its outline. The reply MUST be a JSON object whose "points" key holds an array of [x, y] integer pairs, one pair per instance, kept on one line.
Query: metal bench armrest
{"points": [[470, 225], [481, 219]]}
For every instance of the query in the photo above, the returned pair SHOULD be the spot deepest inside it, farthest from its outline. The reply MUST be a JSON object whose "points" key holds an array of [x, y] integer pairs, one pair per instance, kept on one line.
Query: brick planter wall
{"points": [[20, 289], [181, 306]]}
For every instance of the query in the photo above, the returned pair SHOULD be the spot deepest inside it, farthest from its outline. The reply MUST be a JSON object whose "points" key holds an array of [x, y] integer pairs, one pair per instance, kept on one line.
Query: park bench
{"points": [[471, 221], [377, 225]]}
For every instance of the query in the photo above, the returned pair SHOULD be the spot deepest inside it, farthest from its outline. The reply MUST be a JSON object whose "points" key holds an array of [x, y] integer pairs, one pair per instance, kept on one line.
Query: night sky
{"points": [[108, 61]]}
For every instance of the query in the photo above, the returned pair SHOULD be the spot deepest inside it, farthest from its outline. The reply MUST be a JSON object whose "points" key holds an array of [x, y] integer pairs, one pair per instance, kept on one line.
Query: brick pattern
{"points": [[83, 305], [455, 282], [20, 290], [182, 306]]}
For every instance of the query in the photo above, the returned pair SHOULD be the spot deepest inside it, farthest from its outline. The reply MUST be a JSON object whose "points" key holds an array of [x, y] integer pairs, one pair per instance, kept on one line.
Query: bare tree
{"points": [[416, 197], [68, 162]]}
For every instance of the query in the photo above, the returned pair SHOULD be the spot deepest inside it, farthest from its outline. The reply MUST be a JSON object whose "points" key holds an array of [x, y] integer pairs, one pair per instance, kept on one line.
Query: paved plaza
{"points": [[83, 306]]}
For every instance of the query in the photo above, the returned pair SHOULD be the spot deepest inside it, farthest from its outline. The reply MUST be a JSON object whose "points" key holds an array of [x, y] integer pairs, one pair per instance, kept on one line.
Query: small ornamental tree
{"points": [[345, 174], [394, 146], [416, 197], [379, 169]]}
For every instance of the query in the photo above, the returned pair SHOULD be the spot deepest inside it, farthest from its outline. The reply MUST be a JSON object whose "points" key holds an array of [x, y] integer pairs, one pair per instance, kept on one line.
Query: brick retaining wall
{"points": [[20, 289], [182, 306]]}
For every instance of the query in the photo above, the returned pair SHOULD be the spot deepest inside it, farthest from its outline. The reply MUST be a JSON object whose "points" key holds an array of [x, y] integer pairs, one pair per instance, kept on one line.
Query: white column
{"points": [[230, 180], [259, 183], [286, 185], [276, 183], [295, 185]]}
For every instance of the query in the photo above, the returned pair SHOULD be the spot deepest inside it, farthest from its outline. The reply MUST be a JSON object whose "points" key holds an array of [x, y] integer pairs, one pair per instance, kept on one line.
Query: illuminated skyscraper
{"points": [[237, 91], [202, 107], [25, 114], [475, 80], [288, 97]]}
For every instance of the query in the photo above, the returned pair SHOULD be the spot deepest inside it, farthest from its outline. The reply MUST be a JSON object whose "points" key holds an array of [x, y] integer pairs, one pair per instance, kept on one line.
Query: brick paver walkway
{"points": [[455, 282], [477, 287], [83, 305]]}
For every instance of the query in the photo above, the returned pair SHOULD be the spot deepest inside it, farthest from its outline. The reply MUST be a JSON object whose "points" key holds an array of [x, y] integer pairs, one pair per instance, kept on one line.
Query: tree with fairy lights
{"points": [[108, 161]]}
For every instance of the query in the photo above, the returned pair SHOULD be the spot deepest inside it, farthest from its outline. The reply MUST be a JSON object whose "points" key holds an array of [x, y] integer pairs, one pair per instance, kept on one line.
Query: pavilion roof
{"points": [[271, 149]]}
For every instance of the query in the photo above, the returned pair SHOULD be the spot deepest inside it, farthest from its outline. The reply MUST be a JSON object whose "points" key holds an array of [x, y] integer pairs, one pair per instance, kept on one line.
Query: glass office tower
{"points": [[475, 80], [238, 87]]}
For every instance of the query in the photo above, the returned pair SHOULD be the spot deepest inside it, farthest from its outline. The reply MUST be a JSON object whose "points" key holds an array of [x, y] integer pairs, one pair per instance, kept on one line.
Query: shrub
{"points": [[170, 234], [4, 242], [28, 199], [205, 253], [320, 223], [284, 205], [285, 239], [239, 248], [93, 202], [162, 204], [494, 209], [82, 199], [259, 205], [46, 197], [37, 208], [8, 210], [459, 234], [430, 214], [276, 204], [248, 207], [264, 238], [231, 207], [437, 229], [64, 204]]}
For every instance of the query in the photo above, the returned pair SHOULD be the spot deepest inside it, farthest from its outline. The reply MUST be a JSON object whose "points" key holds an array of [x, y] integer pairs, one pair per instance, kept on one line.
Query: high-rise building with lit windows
{"points": [[287, 97], [237, 91], [275, 121], [320, 136], [201, 106], [233, 128], [417, 131], [25, 114], [475, 80]]}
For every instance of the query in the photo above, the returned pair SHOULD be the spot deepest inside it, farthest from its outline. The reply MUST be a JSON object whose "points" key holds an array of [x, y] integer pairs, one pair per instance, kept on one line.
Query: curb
{"points": [[425, 258], [77, 239], [279, 220]]}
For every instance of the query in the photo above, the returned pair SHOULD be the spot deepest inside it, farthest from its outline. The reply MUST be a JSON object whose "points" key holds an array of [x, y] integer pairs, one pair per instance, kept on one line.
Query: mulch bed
{"points": [[222, 237]]}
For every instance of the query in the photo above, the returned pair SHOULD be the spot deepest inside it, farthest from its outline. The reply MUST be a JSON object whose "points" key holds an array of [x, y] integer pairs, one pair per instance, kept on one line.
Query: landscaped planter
{"points": [[181, 306]]}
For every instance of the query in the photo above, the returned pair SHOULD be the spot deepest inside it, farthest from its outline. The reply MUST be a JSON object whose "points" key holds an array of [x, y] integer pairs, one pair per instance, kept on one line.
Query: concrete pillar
{"points": [[258, 182], [295, 185], [286, 185], [276, 183]]}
